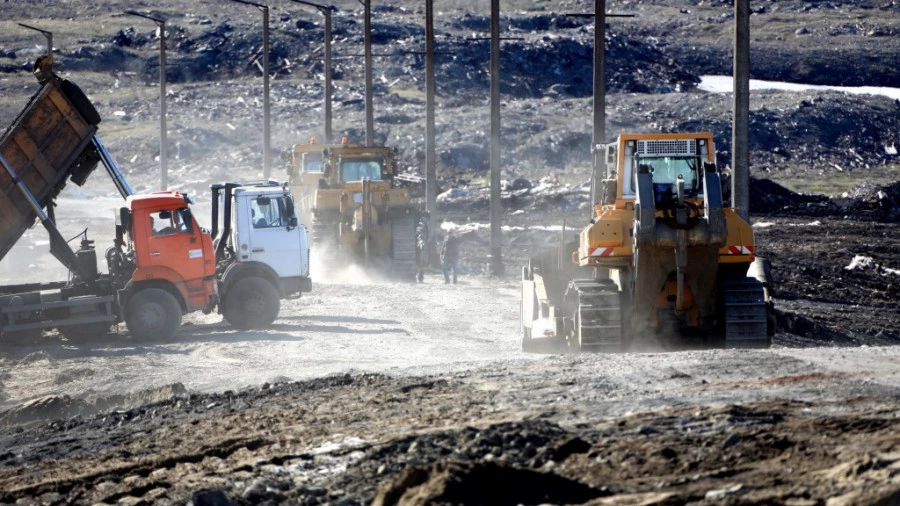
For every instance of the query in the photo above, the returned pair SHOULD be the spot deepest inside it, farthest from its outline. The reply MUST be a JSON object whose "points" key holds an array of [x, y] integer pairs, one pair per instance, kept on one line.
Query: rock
{"points": [[256, 492], [570, 447], [714, 495], [646, 430], [210, 498], [668, 453], [732, 440]]}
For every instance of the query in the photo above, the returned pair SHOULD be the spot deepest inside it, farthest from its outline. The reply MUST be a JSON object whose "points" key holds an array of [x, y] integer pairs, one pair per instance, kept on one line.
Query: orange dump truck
{"points": [[161, 264]]}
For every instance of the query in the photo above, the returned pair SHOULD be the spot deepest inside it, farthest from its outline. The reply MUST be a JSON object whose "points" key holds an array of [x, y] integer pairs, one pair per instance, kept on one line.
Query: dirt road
{"points": [[366, 327], [421, 390]]}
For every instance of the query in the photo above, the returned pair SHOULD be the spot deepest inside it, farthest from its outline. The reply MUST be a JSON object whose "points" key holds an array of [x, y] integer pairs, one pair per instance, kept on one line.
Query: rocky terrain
{"points": [[355, 399]]}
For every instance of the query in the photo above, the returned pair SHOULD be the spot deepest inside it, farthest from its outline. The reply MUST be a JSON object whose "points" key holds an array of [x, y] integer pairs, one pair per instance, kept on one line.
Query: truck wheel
{"points": [[84, 332], [152, 314], [252, 303], [80, 102]]}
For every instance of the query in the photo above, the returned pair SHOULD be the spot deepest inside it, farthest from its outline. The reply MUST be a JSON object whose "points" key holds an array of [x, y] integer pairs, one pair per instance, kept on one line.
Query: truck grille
{"points": [[668, 147]]}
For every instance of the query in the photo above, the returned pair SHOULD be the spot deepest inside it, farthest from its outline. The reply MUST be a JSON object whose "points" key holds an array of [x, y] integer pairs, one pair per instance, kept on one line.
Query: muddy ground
{"points": [[370, 391]]}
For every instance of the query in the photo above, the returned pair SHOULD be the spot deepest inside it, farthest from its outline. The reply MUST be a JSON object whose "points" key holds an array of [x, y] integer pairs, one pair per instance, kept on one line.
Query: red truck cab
{"points": [[171, 254]]}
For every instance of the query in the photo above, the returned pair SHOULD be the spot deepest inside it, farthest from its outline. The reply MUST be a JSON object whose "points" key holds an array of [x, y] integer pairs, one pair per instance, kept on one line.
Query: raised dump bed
{"points": [[47, 143]]}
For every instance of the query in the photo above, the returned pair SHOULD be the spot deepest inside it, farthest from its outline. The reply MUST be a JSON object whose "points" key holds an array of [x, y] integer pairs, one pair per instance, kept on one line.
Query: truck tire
{"points": [[80, 102], [152, 314], [251, 303]]}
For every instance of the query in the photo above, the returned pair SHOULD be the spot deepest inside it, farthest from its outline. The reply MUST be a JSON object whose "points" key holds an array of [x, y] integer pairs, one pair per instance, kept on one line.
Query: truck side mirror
{"points": [[125, 218], [188, 221]]}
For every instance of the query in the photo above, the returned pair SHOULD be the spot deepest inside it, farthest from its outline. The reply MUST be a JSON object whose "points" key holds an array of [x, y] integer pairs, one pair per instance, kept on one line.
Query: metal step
{"points": [[599, 316], [745, 314], [403, 244]]}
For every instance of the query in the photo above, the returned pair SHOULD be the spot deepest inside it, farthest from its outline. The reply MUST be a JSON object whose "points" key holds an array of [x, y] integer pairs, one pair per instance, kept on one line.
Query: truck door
{"points": [[175, 243], [274, 238]]}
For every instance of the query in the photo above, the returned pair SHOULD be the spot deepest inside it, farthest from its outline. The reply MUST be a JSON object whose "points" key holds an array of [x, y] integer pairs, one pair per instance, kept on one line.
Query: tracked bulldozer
{"points": [[358, 209], [664, 262]]}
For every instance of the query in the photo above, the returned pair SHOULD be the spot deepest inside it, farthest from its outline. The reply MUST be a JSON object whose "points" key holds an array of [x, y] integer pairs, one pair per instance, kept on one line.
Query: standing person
{"points": [[450, 256]]}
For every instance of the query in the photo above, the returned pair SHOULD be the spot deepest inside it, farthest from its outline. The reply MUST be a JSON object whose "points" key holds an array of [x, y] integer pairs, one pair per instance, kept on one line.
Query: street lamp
{"points": [[163, 150], [430, 154], [267, 134], [496, 260], [599, 91], [370, 112], [48, 35], [740, 127], [326, 11]]}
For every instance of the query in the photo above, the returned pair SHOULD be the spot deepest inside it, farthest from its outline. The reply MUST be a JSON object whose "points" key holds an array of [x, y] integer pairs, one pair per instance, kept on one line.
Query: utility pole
{"points": [[267, 132], [740, 137], [326, 11], [370, 112], [163, 142], [495, 258], [430, 156]]}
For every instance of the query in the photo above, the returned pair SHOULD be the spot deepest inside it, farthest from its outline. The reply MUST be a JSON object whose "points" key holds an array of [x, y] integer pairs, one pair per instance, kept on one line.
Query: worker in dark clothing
{"points": [[450, 256]]}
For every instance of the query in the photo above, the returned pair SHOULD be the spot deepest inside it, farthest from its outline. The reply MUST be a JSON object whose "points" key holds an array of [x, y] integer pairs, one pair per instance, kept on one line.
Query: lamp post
{"points": [[48, 35], [370, 113], [267, 133], [496, 260], [740, 134], [599, 88], [430, 155], [163, 151], [326, 11]]}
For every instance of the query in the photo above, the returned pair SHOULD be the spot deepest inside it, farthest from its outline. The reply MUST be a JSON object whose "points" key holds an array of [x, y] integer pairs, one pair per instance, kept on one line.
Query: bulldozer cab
{"points": [[358, 169], [312, 162], [667, 158]]}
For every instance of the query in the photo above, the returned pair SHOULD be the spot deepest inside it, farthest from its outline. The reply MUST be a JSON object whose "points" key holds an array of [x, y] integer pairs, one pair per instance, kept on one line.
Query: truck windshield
{"points": [[171, 222], [313, 162], [357, 169], [666, 170], [269, 212]]}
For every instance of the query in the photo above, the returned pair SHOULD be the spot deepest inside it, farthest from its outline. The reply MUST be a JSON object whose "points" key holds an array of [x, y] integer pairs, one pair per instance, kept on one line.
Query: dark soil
{"points": [[408, 442]]}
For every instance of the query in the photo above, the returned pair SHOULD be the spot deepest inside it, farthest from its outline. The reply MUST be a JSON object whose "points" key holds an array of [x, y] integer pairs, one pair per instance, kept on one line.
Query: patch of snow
{"points": [[725, 84], [863, 263]]}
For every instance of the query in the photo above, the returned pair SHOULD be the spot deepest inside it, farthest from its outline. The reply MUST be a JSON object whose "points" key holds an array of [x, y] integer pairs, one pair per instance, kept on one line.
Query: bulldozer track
{"points": [[403, 244], [597, 323], [745, 314]]}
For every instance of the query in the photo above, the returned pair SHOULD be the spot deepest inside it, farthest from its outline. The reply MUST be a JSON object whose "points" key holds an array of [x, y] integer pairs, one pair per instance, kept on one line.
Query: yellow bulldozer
{"points": [[357, 208], [664, 263]]}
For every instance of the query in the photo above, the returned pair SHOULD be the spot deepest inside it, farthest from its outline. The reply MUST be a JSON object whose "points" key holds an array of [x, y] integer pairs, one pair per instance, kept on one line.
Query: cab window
{"points": [[171, 222], [267, 212], [666, 170], [313, 162], [359, 169]]}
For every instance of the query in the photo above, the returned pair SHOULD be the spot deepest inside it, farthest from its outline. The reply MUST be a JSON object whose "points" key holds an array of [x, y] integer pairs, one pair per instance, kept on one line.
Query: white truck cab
{"points": [[262, 255]]}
